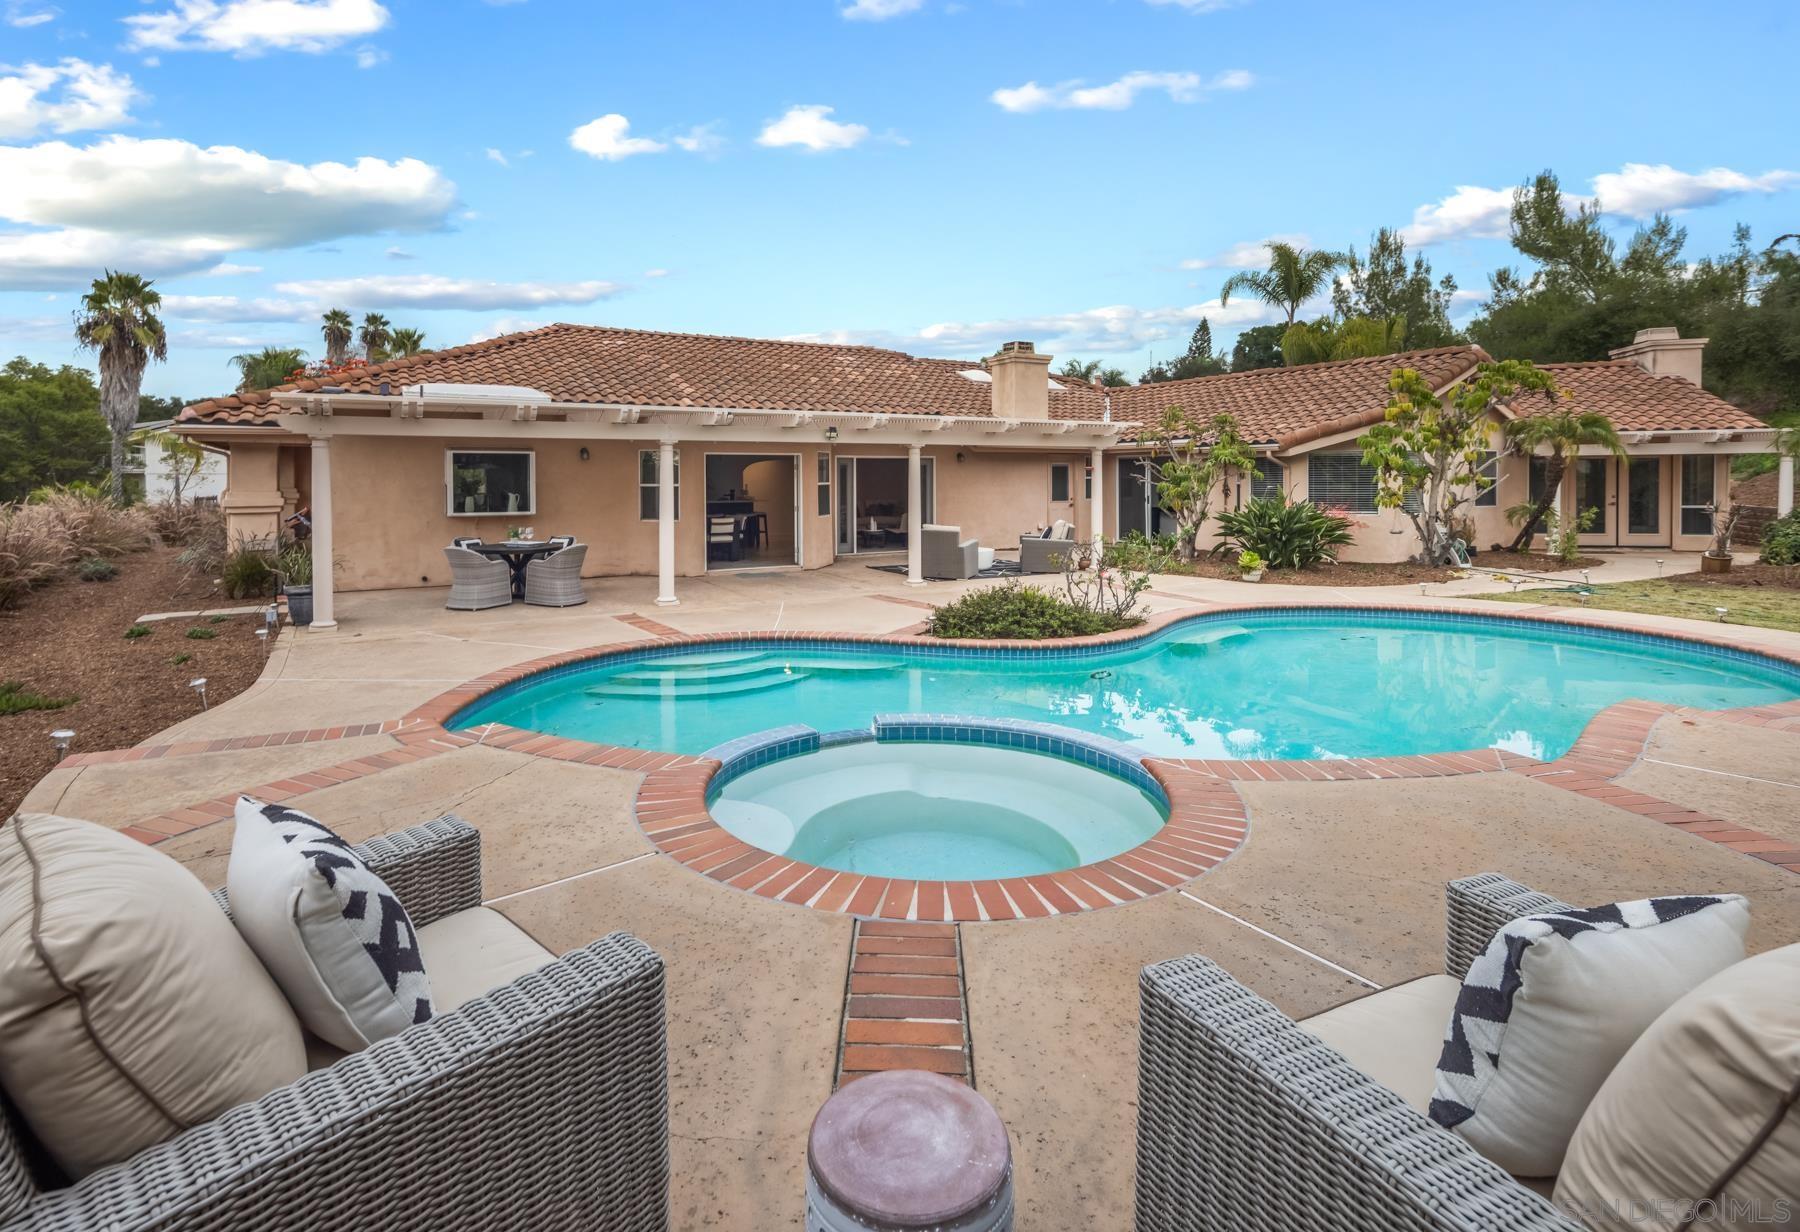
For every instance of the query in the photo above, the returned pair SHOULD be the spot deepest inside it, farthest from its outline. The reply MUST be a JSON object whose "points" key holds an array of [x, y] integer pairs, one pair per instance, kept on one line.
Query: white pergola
{"points": [[321, 417]]}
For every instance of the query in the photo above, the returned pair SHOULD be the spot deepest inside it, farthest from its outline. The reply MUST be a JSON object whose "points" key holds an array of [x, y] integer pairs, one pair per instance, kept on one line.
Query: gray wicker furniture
{"points": [[542, 1104], [1044, 553], [555, 580], [1245, 1120], [477, 582], [944, 553], [466, 541]]}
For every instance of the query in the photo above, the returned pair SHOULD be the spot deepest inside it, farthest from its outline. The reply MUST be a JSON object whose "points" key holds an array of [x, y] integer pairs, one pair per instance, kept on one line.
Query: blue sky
{"points": [[914, 173]]}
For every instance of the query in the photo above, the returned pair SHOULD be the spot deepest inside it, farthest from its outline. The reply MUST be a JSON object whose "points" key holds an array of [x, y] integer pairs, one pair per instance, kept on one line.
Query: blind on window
{"points": [[1340, 481]]}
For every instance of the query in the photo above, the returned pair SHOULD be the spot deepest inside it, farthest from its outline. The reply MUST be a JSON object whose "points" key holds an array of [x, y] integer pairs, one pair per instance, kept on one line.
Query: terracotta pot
{"points": [[1715, 564]]}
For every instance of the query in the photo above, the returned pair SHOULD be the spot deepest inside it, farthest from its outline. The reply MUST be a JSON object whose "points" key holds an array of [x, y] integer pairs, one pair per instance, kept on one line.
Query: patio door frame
{"points": [[844, 468], [1665, 521], [1606, 535], [799, 522]]}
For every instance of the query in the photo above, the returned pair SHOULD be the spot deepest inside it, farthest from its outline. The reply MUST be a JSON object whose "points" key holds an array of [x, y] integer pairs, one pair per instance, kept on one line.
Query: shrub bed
{"points": [[1014, 610]]}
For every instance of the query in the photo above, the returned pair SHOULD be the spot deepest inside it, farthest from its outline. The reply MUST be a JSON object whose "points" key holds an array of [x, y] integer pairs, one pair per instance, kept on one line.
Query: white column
{"points": [[1097, 501], [1784, 486], [324, 615], [665, 525], [915, 517]]}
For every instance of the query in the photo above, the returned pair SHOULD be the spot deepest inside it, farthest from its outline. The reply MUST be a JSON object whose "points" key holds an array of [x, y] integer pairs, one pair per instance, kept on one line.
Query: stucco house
{"points": [[153, 473], [629, 439]]}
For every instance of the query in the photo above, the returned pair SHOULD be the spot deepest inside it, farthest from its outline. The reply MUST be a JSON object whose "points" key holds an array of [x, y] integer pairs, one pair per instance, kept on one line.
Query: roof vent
{"points": [[1017, 348]]}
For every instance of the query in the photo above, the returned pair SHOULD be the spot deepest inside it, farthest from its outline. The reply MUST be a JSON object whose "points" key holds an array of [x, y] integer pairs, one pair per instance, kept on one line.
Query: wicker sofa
{"points": [[1045, 553], [1247, 1120], [540, 1104]]}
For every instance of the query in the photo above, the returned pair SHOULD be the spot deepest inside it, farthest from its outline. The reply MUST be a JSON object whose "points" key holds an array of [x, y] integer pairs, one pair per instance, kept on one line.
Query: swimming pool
{"points": [[936, 811], [1276, 684]]}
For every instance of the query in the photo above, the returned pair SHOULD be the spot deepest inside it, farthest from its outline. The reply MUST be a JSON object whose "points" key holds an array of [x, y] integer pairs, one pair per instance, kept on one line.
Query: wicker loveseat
{"points": [[540, 1104], [1246, 1120]]}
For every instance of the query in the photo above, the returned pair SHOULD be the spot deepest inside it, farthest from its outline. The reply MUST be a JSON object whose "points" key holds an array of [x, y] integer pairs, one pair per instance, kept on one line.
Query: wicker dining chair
{"points": [[541, 1104], [1247, 1120], [555, 580], [477, 582], [559, 542], [466, 541]]}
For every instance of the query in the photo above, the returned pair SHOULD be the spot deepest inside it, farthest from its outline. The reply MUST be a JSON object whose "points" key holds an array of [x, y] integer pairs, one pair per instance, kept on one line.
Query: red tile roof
{"points": [[594, 364], [1635, 401]]}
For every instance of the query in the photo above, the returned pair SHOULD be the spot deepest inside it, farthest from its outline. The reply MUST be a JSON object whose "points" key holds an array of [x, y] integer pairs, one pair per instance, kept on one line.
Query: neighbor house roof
{"points": [[594, 364]]}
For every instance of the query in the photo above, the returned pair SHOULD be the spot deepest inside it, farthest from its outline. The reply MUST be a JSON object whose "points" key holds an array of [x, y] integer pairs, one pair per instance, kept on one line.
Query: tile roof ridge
{"points": [[1283, 369], [785, 342]]}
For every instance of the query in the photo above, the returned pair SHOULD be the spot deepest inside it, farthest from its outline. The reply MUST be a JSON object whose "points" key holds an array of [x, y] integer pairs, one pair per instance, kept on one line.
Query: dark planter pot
{"points": [[1708, 564], [299, 604]]}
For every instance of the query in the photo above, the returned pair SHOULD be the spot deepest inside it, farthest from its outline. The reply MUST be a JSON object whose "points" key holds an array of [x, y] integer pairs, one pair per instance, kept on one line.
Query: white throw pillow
{"points": [[1547, 1011], [328, 929]]}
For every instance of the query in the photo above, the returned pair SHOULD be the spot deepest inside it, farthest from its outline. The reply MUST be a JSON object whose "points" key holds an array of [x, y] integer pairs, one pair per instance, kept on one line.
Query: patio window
{"points": [[491, 481], [1340, 481], [1696, 494], [1489, 465], [647, 485], [1643, 496], [824, 485], [1059, 483], [1267, 479]]}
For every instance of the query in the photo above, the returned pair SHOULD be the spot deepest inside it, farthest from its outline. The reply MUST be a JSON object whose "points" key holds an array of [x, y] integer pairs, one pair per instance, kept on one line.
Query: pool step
{"points": [[683, 687], [761, 665], [1204, 641], [706, 661]]}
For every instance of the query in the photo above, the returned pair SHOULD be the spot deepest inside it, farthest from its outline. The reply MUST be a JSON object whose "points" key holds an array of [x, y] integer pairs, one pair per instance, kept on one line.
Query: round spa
{"points": [[937, 811]]}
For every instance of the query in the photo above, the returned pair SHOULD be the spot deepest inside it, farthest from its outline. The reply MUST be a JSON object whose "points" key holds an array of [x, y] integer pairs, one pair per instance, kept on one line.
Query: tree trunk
{"points": [[1553, 477], [118, 465]]}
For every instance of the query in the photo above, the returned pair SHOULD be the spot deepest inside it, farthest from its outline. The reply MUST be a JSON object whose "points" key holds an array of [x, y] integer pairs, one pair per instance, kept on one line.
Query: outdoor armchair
{"points": [[555, 580], [1247, 1120], [944, 553], [477, 582], [540, 1104], [466, 541], [1045, 553]]}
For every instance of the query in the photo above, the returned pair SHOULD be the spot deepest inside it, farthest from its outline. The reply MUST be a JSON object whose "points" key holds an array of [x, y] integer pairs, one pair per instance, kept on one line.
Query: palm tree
{"points": [[1090, 371], [405, 342], [1294, 276], [267, 368], [1563, 430], [375, 335], [118, 319], [337, 331]]}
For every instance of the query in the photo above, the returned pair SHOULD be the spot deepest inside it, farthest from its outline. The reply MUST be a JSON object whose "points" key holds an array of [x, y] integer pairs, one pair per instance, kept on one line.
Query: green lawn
{"points": [[1766, 606]]}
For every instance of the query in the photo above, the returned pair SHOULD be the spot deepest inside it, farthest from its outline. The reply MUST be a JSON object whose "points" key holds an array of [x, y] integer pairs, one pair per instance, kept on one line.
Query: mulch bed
{"points": [[1358, 573], [68, 640], [1780, 577]]}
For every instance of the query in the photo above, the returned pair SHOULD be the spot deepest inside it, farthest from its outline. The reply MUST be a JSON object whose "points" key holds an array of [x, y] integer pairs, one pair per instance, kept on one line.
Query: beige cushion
{"points": [[1395, 1035], [474, 952], [1689, 1098], [130, 1009]]}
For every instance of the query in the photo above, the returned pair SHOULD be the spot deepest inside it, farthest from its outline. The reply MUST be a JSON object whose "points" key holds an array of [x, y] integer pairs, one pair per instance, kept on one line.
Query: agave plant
{"points": [[1285, 535]]}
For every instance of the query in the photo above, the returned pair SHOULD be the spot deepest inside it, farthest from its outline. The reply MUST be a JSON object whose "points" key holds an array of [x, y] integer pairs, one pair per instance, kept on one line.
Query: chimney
{"points": [[1662, 351], [1021, 382]]}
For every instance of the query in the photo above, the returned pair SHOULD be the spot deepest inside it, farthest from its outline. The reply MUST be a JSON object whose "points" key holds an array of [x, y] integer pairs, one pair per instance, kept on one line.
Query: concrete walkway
{"points": [[1339, 887]]}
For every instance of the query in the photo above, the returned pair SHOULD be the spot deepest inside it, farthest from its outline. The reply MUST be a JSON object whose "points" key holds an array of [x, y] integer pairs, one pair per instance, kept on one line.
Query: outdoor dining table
{"points": [[517, 553]]}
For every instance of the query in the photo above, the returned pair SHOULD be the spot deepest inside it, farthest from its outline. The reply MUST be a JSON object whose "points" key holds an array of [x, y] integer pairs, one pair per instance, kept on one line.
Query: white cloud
{"points": [[1638, 190], [436, 291], [1470, 212], [810, 127], [251, 27], [1251, 254], [230, 308], [1120, 94], [879, 10], [1115, 328], [701, 139], [1199, 6], [396, 253], [496, 156], [218, 196], [369, 56], [656, 273], [606, 139], [35, 329], [228, 269], [73, 257], [215, 340], [505, 325], [23, 16], [64, 97]]}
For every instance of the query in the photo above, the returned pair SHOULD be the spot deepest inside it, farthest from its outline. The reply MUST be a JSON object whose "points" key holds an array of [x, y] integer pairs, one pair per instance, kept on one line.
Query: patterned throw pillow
{"points": [[1547, 1011], [329, 930]]}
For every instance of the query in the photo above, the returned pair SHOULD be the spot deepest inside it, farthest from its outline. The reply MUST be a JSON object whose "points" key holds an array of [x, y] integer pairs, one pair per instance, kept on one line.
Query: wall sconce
{"points": [[959, 455], [584, 453], [831, 432]]}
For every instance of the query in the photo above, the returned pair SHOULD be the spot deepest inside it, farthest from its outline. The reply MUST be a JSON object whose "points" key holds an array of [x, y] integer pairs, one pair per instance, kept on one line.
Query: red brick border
{"points": [[232, 744], [904, 1003]]}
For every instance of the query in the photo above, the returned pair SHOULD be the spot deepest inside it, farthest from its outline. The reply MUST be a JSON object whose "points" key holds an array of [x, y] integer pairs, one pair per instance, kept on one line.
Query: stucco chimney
{"points": [[1021, 382], [1662, 351]]}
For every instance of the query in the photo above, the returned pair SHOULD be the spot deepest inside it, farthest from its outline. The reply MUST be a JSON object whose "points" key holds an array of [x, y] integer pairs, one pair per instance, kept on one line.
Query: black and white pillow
{"points": [[1547, 1011], [328, 929]]}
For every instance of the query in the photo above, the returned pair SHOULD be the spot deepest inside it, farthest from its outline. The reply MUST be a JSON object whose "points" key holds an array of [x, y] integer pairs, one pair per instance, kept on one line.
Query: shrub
{"points": [[32, 552], [15, 699], [186, 523], [1286, 535], [200, 633], [93, 526], [1249, 562], [136, 631], [178, 660], [1781, 541], [1136, 550], [1014, 610], [96, 569], [247, 573]]}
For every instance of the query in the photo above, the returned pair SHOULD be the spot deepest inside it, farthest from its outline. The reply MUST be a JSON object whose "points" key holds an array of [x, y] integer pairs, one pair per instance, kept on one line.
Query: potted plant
{"points": [[1717, 558], [296, 568], [1250, 566]]}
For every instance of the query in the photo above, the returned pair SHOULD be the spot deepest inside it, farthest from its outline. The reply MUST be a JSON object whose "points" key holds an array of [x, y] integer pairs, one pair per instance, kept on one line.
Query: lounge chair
{"points": [[538, 1102], [1045, 553], [555, 580], [477, 582], [945, 554], [1224, 1078]]}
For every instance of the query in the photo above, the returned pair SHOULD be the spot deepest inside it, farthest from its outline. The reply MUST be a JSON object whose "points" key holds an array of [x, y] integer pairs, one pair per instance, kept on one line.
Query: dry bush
{"points": [[93, 526], [181, 524], [33, 551]]}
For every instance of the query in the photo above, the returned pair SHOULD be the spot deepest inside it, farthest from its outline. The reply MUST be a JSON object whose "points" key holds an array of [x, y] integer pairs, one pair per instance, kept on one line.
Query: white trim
{"points": [[450, 452]]}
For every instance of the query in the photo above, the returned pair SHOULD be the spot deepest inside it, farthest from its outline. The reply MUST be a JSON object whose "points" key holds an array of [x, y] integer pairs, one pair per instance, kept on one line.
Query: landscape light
{"points": [[1659, 565], [60, 739], [198, 685], [262, 635], [1721, 611]]}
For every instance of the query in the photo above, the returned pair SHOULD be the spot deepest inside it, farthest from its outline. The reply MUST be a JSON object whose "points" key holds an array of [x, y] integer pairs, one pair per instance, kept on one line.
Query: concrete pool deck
{"points": [[1339, 886]]}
